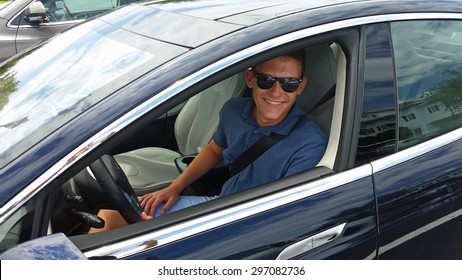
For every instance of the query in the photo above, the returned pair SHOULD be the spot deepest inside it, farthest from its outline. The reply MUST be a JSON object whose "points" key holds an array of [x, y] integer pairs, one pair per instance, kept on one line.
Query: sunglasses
{"points": [[289, 84]]}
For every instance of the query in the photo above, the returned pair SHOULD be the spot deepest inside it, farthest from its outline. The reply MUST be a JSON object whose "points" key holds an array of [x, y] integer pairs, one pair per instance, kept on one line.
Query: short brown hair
{"points": [[297, 55]]}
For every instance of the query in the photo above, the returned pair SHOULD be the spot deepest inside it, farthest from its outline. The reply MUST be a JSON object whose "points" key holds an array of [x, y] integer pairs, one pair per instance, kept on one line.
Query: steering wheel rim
{"points": [[115, 184]]}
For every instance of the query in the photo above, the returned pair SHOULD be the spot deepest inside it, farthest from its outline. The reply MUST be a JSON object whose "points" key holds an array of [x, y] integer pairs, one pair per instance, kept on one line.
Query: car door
{"points": [[318, 214], [418, 185], [327, 212]]}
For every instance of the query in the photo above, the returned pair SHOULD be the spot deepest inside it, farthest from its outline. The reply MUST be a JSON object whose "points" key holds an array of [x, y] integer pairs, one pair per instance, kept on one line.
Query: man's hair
{"points": [[297, 55], [300, 57]]}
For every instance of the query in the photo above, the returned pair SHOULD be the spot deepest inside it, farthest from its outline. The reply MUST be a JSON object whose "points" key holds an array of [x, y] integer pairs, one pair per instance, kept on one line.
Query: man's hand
{"points": [[145, 216], [204, 161], [149, 202]]}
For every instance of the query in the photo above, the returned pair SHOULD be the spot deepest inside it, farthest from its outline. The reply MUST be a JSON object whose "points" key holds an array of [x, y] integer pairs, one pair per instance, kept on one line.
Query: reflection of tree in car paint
{"points": [[8, 84]]}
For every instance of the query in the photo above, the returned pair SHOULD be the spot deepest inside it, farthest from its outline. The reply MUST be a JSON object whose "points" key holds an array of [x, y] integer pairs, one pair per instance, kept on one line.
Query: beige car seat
{"points": [[153, 168]]}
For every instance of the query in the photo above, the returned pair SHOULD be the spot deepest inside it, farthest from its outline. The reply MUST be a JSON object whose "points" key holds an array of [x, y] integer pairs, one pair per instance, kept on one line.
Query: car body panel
{"points": [[264, 235], [206, 30], [9, 48], [244, 12], [29, 35], [378, 201], [418, 202]]}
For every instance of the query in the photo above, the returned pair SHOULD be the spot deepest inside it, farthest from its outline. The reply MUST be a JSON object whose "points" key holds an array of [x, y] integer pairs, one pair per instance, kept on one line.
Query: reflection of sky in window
{"points": [[64, 81], [378, 74], [423, 55]]}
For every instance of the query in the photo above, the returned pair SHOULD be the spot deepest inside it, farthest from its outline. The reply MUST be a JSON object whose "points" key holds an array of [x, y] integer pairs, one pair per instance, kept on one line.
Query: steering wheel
{"points": [[115, 184]]}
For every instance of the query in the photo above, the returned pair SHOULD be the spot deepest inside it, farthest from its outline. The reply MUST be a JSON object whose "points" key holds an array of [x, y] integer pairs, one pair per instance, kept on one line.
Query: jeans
{"points": [[184, 202]]}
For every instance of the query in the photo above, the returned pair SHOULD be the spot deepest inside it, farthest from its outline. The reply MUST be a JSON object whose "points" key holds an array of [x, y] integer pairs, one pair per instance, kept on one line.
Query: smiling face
{"points": [[273, 105]]}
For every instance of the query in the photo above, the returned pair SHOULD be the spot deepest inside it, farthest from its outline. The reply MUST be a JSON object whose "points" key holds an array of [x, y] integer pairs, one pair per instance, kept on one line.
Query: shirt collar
{"points": [[282, 128]]}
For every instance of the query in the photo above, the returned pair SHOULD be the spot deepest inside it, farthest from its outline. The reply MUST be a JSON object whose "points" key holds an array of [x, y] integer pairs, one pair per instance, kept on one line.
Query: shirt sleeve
{"points": [[308, 155], [306, 158], [219, 136]]}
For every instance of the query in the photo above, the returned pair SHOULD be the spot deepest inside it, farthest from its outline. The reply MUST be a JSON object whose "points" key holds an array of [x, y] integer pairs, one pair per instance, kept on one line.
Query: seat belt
{"points": [[326, 97], [254, 152]]}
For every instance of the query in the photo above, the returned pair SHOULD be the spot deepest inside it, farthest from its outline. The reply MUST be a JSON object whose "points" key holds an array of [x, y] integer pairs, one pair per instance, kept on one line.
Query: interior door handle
{"points": [[312, 242]]}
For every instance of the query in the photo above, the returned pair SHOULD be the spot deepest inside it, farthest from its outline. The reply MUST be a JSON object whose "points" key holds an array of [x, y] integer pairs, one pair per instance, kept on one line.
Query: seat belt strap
{"points": [[254, 152]]}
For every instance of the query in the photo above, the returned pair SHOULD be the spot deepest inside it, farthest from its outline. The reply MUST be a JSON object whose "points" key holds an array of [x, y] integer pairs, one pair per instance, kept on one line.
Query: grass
{"points": [[3, 1]]}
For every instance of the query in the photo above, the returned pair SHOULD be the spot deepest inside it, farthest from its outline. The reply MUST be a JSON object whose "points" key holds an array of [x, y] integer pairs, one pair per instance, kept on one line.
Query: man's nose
{"points": [[277, 88]]}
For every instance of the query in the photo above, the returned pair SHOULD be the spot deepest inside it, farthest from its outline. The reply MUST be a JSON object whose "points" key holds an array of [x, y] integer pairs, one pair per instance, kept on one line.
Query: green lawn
{"points": [[3, 1]]}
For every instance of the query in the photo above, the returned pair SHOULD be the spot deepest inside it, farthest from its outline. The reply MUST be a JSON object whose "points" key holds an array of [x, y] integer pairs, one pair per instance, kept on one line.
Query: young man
{"points": [[275, 85]]}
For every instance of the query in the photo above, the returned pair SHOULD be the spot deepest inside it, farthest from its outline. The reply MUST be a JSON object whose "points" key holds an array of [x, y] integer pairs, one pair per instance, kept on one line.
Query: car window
{"points": [[428, 65]]}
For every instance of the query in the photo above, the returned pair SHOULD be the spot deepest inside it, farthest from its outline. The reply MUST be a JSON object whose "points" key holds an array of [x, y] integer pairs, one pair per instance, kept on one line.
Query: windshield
{"points": [[47, 87]]}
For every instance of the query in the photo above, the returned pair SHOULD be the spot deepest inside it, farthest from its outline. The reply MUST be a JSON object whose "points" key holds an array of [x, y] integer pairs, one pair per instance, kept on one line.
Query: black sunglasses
{"points": [[289, 84]]}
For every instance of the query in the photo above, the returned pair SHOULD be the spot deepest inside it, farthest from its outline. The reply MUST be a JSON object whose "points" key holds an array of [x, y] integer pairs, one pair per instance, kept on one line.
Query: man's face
{"points": [[273, 105]]}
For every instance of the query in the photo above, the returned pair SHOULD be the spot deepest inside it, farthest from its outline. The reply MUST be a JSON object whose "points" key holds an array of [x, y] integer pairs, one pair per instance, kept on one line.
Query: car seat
{"points": [[323, 97], [153, 168], [318, 95]]}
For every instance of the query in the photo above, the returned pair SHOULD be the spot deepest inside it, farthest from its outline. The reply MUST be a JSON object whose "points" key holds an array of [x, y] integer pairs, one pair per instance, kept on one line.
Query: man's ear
{"points": [[302, 85], [248, 78]]}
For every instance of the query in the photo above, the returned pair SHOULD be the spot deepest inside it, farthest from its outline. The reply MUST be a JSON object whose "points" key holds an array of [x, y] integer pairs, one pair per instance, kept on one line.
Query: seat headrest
{"points": [[321, 71]]}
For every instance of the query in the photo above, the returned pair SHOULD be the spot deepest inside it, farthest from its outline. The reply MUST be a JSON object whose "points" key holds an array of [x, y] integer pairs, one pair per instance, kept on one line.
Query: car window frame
{"points": [[342, 36]]}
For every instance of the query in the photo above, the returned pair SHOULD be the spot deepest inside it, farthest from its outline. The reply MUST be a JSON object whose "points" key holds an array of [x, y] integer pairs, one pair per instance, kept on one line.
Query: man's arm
{"points": [[208, 158]]}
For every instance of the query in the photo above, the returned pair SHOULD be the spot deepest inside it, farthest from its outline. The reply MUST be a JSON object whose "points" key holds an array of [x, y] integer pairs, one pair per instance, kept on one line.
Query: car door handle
{"points": [[312, 242]]}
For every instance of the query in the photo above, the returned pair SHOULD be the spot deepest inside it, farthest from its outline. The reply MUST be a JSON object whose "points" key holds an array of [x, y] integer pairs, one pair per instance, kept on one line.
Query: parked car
{"points": [[384, 84], [24, 23]]}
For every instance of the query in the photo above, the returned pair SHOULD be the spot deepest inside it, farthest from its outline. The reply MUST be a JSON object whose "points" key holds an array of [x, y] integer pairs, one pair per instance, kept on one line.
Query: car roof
{"points": [[171, 21], [244, 12]]}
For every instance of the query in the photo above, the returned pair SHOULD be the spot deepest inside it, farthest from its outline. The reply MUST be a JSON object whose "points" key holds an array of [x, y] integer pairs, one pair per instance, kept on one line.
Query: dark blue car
{"points": [[117, 106]]}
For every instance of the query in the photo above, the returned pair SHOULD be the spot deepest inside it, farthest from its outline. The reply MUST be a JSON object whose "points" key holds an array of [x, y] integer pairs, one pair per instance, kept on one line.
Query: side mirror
{"points": [[35, 13]]}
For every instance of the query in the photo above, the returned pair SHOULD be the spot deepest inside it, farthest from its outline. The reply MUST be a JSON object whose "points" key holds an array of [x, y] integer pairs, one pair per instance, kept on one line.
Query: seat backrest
{"points": [[317, 97], [198, 119]]}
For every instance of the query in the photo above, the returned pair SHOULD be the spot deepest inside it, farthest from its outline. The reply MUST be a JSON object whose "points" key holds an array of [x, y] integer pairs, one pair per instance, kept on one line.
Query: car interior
{"points": [[152, 168]]}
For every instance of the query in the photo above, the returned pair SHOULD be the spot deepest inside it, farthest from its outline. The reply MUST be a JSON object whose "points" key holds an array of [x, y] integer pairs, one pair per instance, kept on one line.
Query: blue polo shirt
{"points": [[302, 147]]}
